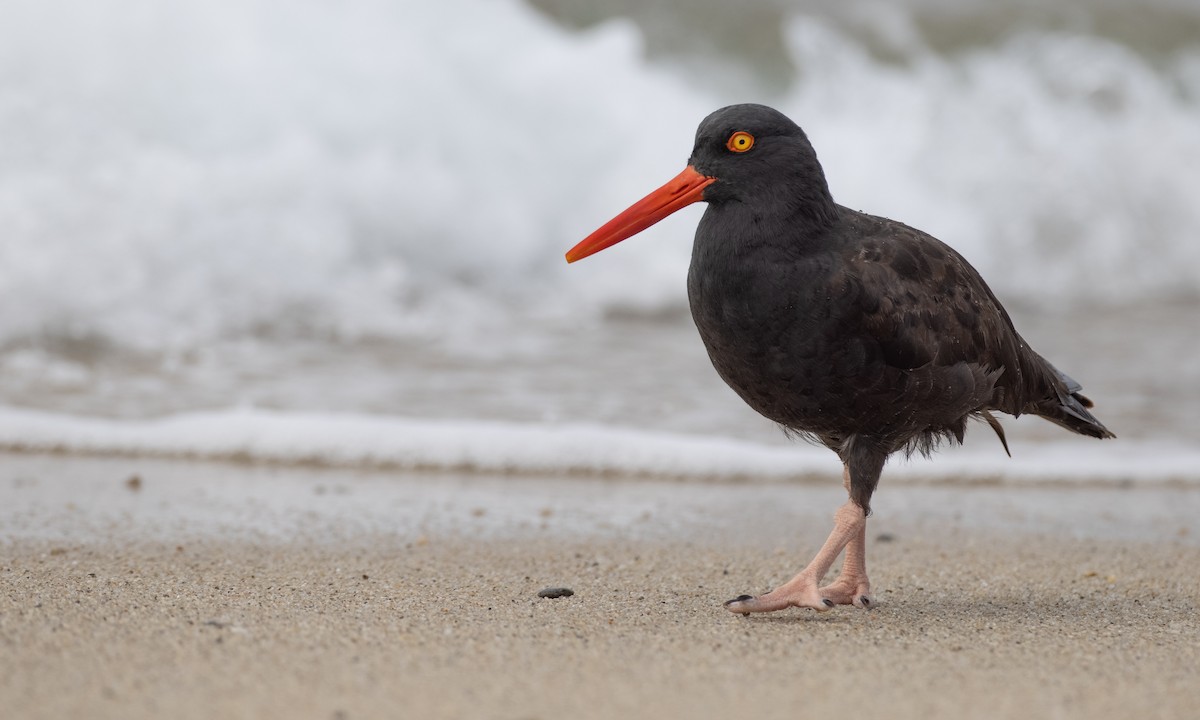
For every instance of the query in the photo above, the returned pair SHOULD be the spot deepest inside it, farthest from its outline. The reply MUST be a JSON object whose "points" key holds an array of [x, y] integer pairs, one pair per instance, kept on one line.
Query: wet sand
{"points": [[247, 599]]}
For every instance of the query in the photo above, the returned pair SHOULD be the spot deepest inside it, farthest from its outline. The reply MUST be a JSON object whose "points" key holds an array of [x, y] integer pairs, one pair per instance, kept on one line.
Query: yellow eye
{"points": [[740, 142]]}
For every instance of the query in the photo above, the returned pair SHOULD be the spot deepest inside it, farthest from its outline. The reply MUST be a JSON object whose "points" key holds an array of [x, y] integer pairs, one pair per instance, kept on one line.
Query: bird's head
{"points": [[748, 154]]}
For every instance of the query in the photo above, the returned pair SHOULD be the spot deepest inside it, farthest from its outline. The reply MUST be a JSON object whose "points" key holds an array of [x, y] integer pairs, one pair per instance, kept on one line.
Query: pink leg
{"points": [[851, 587]]}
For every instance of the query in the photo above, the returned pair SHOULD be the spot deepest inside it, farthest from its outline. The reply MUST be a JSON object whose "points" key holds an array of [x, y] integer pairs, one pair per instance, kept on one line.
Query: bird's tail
{"points": [[1070, 410]]}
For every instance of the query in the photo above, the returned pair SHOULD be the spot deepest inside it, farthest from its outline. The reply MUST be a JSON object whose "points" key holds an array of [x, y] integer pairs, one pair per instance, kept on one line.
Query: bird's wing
{"points": [[934, 319]]}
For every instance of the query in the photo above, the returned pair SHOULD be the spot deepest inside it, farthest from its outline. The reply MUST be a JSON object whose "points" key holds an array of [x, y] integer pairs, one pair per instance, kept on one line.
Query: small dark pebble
{"points": [[885, 538], [555, 592], [134, 483]]}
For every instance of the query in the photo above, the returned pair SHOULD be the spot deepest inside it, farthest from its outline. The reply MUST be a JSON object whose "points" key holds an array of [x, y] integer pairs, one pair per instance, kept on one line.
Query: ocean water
{"points": [[260, 217]]}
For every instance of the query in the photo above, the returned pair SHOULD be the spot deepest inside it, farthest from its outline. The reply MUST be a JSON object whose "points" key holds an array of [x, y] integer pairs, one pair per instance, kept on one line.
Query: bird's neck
{"points": [[798, 198], [805, 202], [788, 225]]}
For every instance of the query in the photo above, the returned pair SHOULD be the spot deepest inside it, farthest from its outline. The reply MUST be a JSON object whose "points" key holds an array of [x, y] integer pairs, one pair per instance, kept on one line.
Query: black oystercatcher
{"points": [[855, 331]]}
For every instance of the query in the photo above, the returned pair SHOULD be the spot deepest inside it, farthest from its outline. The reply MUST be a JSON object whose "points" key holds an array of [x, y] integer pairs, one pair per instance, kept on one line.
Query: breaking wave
{"points": [[174, 175]]}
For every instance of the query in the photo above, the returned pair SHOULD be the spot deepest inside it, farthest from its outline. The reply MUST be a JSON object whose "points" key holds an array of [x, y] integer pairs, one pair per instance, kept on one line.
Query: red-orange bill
{"points": [[684, 189]]}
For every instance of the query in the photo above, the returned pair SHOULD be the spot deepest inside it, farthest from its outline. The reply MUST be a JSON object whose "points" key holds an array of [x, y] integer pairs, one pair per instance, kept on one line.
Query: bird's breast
{"points": [[763, 314]]}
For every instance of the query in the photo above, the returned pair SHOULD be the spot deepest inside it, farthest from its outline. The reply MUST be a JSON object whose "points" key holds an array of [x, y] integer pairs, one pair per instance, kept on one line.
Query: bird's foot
{"points": [[853, 590], [800, 591]]}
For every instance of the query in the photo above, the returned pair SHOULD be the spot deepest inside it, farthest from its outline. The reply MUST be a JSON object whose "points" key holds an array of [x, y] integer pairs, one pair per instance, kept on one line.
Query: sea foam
{"points": [[373, 442], [178, 174]]}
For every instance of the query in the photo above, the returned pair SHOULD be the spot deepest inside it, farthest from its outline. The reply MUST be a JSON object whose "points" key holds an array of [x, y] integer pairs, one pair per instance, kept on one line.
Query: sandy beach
{"points": [[301, 601], [301, 405]]}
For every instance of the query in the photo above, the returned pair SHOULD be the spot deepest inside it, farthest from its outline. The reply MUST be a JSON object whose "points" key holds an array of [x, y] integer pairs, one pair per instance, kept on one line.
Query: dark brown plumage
{"points": [[867, 335], [859, 332]]}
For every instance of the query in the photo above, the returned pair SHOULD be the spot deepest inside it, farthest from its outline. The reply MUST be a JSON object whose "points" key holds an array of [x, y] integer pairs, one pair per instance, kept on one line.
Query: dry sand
{"points": [[977, 618]]}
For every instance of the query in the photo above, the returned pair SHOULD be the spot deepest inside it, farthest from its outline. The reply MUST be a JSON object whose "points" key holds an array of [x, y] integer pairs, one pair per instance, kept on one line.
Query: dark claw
{"points": [[828, 602], [865, 600], [740, 598]]}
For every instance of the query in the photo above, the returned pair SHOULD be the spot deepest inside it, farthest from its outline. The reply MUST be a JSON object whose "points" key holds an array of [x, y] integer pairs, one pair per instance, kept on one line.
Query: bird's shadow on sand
{"points": [[1001, 608]]}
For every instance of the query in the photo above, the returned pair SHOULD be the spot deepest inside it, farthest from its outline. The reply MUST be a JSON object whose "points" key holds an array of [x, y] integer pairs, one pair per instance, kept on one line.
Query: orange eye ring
{"points": [[740, 142]]}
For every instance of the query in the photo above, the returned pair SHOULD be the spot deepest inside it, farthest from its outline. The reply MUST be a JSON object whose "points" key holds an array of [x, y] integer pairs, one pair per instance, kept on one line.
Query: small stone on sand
{"points": [[555, 592]]}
